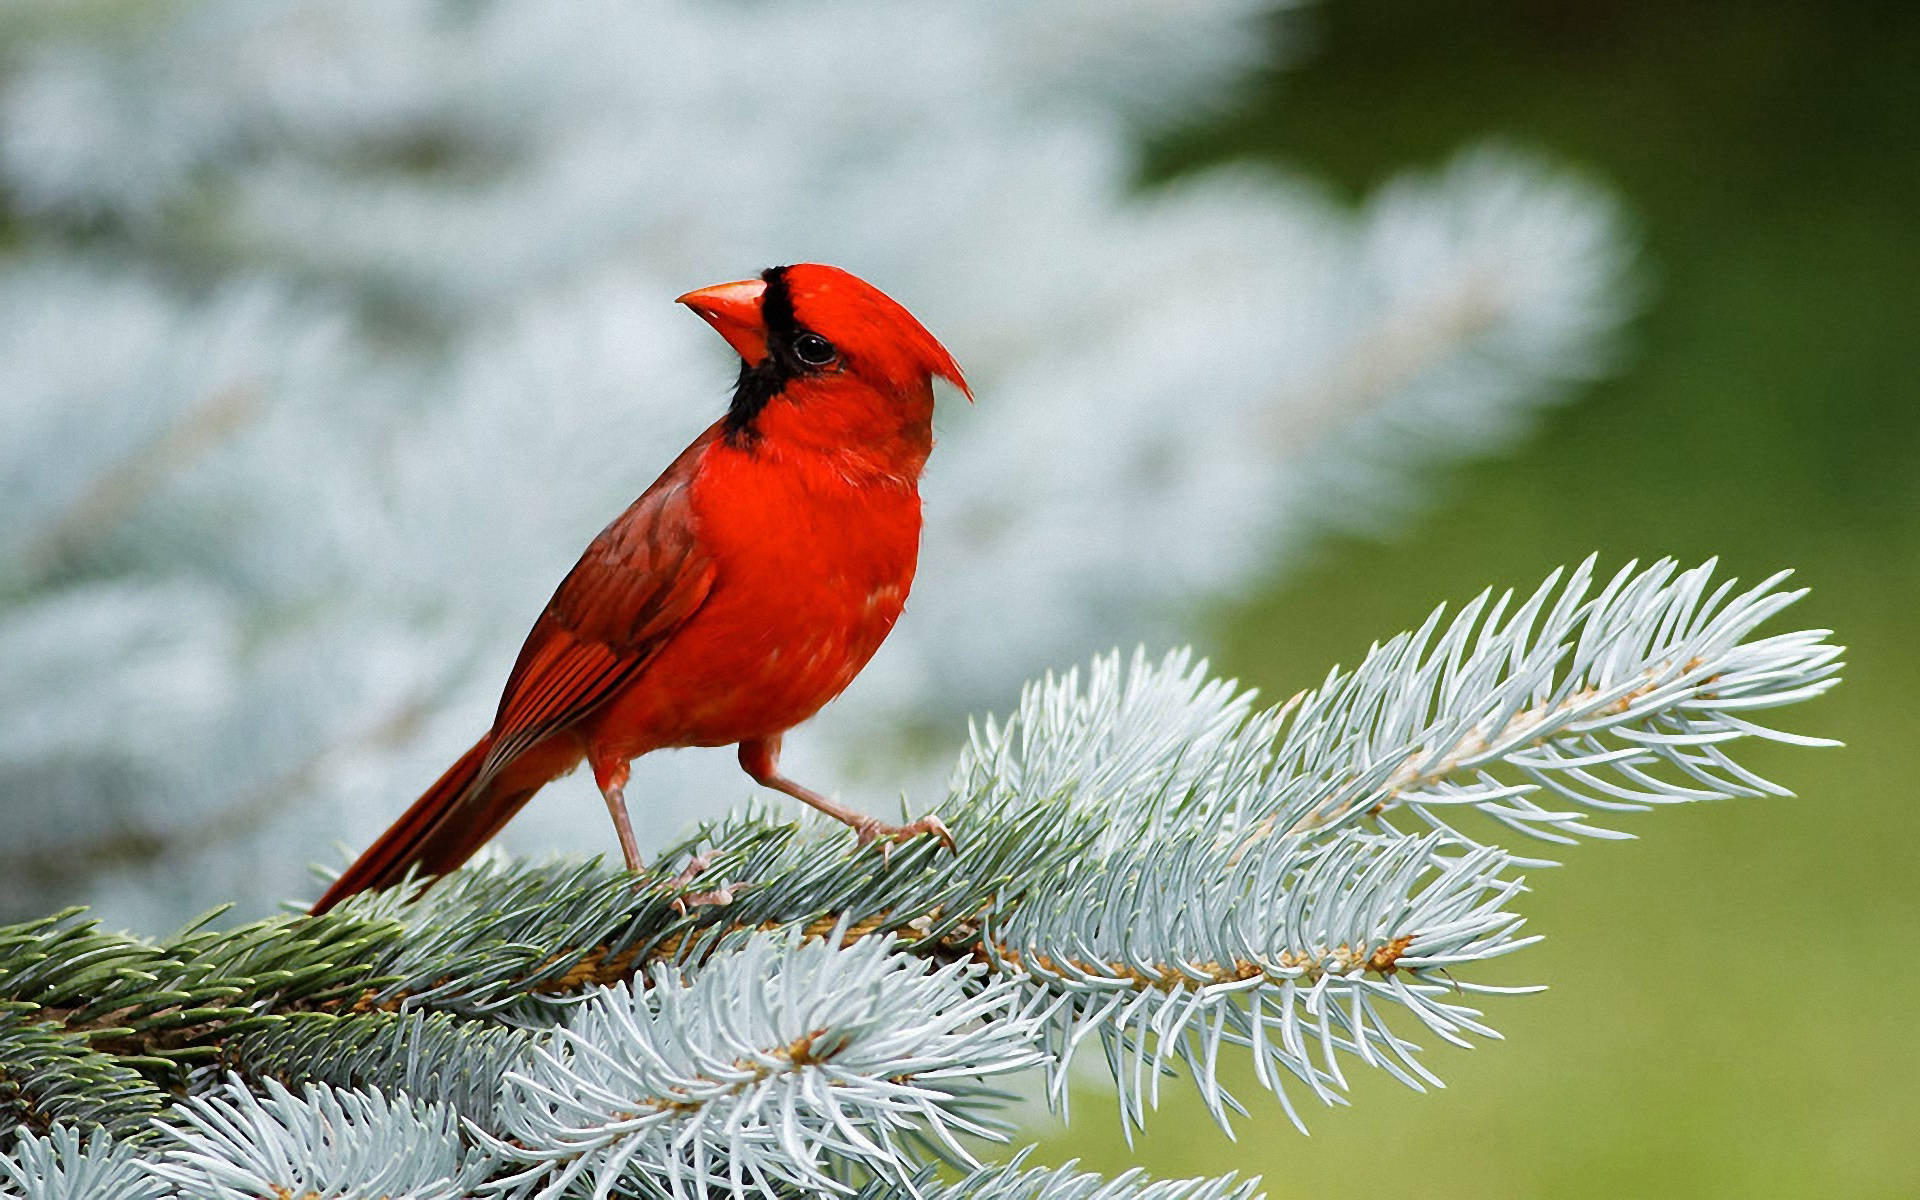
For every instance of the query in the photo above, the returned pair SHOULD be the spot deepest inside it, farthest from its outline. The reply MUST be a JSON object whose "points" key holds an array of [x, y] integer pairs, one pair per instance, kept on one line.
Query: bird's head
{"points": [[824, 354]]}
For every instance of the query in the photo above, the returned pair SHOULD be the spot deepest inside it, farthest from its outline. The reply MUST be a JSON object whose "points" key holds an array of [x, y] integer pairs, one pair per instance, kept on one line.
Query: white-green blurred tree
{"points": [[329, 332]]}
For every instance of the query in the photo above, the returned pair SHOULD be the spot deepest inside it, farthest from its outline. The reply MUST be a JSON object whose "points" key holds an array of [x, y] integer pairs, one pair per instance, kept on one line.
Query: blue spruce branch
{"points": [[1150, 863]]}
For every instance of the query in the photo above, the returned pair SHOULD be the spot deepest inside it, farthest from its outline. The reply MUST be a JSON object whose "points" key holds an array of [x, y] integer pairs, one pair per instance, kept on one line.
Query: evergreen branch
{"points": [[60, 1166], [511, 943], [236, 1145], [780, 1065], [161, 1004], [1650, 672], [1586, 699], [1173, 950], [1232, 897], [50, 1079], [1143, 742], [62, 964], [1015, 1181], [502, 944], [436, 1058], [1145, 858]]}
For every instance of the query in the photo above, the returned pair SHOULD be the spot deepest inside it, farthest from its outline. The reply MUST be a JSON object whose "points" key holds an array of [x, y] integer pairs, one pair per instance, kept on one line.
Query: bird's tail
{"points": [[451, 820]]}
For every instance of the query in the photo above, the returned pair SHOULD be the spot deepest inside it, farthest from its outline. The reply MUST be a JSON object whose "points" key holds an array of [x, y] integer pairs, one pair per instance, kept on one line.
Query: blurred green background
{"points": [[1731, 1008]]}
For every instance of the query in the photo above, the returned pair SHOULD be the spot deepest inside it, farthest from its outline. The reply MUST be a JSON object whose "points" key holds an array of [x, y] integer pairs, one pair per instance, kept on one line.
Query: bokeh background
{"points": [[304, 319], [1725, 1018]]}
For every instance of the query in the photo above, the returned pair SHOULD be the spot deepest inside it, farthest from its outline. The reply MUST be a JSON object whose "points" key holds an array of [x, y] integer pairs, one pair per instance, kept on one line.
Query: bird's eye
{"points": [[814, 350]]}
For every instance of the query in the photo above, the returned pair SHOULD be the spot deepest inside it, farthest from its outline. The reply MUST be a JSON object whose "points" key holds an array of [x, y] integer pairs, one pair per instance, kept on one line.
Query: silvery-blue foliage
{"points": [[321, 1142], [1148, 863], [337, 328], [1250, 882], [780, 1065], [1016, 1182], [66, 1166]]}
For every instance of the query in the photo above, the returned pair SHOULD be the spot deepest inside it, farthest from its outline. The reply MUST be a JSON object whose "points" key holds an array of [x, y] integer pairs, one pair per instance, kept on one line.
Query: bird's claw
{"points": [[695, 865], [873, 829], [722, 895]]}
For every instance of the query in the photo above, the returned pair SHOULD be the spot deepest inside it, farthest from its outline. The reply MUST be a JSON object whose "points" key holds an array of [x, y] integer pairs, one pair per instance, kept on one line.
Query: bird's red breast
{"points": [[811, 569]]}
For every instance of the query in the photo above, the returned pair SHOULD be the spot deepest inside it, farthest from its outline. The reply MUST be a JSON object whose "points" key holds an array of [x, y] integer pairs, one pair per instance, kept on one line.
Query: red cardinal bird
{"points": [[738, 594]]}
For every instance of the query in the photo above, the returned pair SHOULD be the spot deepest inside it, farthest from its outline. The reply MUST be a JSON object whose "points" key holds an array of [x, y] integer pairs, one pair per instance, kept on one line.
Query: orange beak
{"points": [[733, 309]]}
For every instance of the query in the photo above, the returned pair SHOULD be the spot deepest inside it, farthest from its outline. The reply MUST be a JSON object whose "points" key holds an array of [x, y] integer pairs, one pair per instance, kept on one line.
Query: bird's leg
{"points": [[612, 778], [760, 758]]}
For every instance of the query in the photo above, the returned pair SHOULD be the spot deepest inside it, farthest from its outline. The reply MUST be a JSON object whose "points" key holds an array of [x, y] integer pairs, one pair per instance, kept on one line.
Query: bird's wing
{"points": [[636, 584]]}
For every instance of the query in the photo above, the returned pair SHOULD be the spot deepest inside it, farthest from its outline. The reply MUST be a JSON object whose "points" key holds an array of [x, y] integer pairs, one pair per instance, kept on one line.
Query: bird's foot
{"points": [[696, 866], [872, 829], [692, 871], [719, 897]]}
